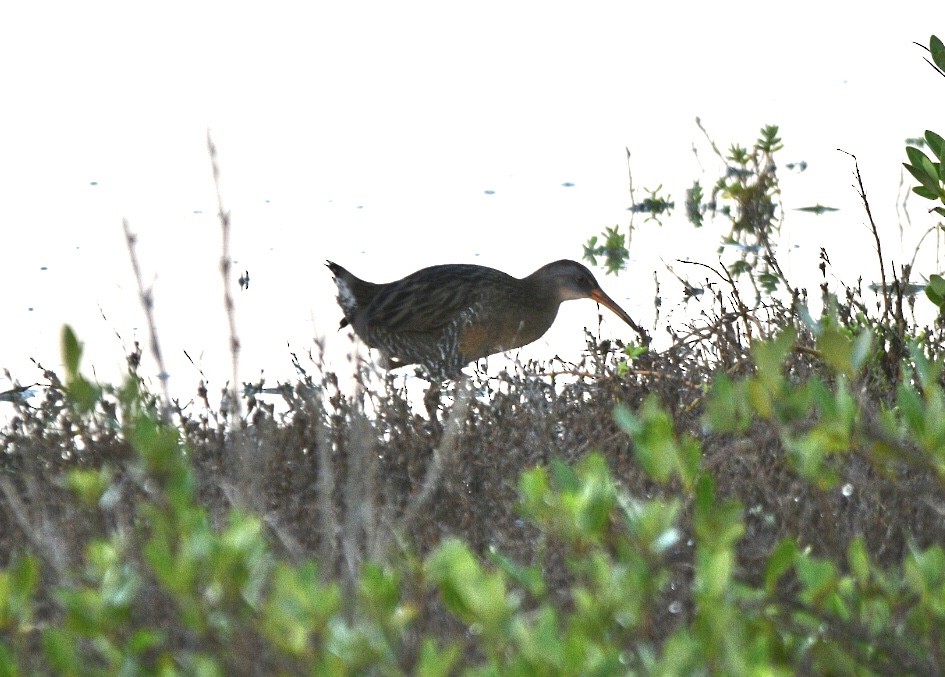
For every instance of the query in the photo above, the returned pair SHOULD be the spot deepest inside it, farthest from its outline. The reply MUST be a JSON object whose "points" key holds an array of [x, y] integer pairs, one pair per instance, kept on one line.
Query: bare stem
{"points": [[147, 301], [632, 199], [443, 455], [879, 248], [225, 265]]}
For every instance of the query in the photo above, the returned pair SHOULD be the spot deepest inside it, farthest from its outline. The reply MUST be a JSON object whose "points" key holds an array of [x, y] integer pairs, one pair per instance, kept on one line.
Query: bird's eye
{"points": [[583, 281]]}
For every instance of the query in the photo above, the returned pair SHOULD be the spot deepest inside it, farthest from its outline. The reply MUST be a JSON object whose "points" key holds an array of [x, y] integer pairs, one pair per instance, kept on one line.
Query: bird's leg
{"points": [[431, 400]]}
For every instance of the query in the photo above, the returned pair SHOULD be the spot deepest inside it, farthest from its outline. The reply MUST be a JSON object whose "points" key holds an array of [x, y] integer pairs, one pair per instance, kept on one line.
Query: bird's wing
{"points": [[427, 300]]}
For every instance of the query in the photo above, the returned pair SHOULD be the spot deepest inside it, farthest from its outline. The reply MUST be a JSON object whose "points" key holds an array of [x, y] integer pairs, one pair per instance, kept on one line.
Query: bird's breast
{"points": [[503, 330]]}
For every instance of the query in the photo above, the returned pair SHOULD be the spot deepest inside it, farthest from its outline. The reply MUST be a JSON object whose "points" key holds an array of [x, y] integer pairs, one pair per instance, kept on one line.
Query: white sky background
{"points": [[368, 133]]}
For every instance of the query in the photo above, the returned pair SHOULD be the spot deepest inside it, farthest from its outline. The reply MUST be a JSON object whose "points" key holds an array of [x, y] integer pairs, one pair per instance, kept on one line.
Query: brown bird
{"points": [[444, 317]]}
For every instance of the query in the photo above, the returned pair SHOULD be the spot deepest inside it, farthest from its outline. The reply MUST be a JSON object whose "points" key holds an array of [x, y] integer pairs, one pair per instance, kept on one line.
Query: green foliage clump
{"points": [[613, 250], [747, 194], [173, 589], [930, 173]]}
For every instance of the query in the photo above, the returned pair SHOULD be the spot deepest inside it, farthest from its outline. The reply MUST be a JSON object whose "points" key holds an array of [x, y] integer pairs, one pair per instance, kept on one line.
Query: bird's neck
{"points": [[542, 306]]}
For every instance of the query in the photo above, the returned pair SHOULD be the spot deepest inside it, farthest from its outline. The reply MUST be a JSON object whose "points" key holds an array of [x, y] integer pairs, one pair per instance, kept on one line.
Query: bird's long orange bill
{"points": [[602, 298]]}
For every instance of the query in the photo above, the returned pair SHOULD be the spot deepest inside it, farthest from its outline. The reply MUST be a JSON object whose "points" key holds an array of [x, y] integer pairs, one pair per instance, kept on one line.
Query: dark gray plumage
{"points": [[444, 317]]}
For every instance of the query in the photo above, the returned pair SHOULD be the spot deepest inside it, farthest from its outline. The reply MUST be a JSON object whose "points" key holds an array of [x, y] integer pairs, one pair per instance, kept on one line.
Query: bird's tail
{"points": [[354, 294]]}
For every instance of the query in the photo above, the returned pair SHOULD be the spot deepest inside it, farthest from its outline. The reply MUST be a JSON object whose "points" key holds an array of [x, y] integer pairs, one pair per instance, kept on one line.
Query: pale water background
{"points": [[391, 136]]}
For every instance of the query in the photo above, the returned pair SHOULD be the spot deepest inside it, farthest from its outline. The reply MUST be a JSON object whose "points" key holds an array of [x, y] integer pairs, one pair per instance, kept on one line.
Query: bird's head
{"points": [[569, 280]]}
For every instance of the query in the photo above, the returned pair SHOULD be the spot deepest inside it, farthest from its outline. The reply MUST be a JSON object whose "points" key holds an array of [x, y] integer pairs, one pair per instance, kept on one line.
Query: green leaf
{"points": [[89, 485], [922, 168], [927, 172], [837, 349], [206, 666], [779, 562], [86, 610], [159, 447], [436, 662], [71, 351], [937, 282], [655, 445], [938, 301], [8, 663], [17, 587], [726, 406], [380, 589], [469, 592], [534, 491], [768, 282], [922, 191], [925, 571], [769, 357], [859, 560], [654, 523], [739, 267], [633, 351], [938, 51], [911, 409], [919, 159], [861, 349], [818, 579], [845, 354], [83, 394], [936, 144], [24, 577], [714, 573], [935, 291], [565, 479], [145, 640], [60, 649], [927, 370], [297, 607], [529, 577], [591, 504], [705, 495]]}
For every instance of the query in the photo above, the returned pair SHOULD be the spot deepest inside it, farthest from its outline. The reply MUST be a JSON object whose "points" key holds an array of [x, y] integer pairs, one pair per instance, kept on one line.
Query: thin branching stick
{"points": [[147, 301], [929, 61], [225, 265], [887, 309]]}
